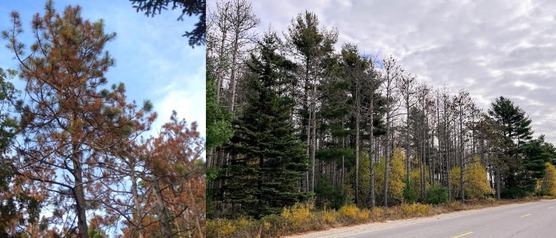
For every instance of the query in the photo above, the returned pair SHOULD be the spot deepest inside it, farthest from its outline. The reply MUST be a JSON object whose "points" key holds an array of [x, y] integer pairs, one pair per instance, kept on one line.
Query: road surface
{"points": [[528, 220]]}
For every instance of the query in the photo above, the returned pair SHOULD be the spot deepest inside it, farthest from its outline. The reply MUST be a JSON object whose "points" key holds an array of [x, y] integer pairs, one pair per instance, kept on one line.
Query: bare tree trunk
{"points": [[220, 78], [357, 134], [81, 204], [138, 213], [372, 199], [78, 190], [462, 154], [233, 80], [162, 210], [314, 133]]}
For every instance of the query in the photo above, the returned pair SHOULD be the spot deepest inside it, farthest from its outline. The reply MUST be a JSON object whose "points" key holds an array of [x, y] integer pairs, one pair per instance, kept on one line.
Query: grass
{"points": [[304, 217]]}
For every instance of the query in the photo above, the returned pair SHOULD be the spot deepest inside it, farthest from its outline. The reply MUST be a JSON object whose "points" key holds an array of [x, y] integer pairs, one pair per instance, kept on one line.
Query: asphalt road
{"points": [[528, 220]]}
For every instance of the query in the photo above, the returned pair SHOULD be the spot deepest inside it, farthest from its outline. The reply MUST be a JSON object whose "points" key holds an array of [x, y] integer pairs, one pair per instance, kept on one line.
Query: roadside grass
{"points": [[302, 218]]}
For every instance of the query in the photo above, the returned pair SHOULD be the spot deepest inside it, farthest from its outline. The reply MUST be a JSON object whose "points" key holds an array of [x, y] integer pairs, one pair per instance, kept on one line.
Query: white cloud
{"points": [[489, 47]]}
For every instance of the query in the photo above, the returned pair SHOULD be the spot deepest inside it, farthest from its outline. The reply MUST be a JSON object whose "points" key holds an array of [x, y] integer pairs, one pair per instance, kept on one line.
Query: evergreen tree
{"points": [[71, 126], [218, 125], [268, 159], [16, 209], [197, 36], [536, 153], [514, 127]]}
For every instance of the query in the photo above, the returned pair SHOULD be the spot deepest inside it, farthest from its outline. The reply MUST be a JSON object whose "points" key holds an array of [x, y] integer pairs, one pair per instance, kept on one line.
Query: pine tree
{"points": [[268, 159], [72, 126], [18, 208], [535, 154], [514, 126]]}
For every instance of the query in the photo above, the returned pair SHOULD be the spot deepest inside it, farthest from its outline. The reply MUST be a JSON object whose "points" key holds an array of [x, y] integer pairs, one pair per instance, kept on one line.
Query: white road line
{"points": [[462, 235]]}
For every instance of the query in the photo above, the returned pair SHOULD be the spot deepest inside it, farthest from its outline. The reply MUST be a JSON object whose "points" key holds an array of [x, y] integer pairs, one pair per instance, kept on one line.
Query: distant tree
{"points": [[267, 158], [197, 36]]}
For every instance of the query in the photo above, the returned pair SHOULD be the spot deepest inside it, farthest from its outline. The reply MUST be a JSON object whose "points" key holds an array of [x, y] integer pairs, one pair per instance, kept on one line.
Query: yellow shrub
{"points": [[349, 211], [329, 216], [220, 228], [377, 213], [364, 215], [416, 209], [456, 206], [297, 214], [243, 222]]}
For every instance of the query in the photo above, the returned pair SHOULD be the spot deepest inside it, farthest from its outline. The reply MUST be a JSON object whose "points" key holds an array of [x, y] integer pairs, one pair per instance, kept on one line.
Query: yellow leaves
{"points": [[329, 216], [414, 209], [349, 211], [298, 213], [548, 183], [221, 227], [397, 175], [475, 180]]}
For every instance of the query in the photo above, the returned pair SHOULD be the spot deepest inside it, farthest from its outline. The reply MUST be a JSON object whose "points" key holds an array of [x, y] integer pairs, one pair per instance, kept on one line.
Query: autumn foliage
{"points": [[80, 157]]}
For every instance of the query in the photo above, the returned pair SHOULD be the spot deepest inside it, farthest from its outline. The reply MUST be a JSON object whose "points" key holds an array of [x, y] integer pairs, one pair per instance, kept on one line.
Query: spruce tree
{"points": [[268, 159]]}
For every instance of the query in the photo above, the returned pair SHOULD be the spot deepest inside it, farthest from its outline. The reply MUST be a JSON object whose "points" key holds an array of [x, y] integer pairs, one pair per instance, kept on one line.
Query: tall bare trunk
{"points": [[138, 213], [162, 210], [81, 205], [372, 199]]}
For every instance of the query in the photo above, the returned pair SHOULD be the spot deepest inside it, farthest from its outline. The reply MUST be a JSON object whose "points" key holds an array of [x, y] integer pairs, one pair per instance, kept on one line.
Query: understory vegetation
{"points": [[305, 217]]}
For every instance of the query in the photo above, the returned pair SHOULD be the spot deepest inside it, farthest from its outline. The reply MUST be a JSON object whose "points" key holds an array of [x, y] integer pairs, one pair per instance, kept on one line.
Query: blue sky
{"points": [[152, 58]]}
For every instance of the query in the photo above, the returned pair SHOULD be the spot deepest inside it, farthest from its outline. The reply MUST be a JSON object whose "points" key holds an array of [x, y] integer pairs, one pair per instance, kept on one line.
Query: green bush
{"points": [[410, 195], [328, 196], [513, 193], [437, 195]]}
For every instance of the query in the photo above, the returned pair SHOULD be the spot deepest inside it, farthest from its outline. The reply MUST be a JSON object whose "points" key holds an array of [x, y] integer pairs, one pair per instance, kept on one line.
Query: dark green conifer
{"points": [[267, 157]]}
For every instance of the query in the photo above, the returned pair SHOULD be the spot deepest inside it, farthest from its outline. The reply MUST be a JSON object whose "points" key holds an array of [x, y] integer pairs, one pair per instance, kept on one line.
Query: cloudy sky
{"points": [[152, 58], [491, 48]]}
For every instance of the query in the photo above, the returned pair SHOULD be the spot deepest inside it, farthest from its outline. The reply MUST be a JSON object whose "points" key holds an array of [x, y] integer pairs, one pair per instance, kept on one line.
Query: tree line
{"points": [[292, 118], [75, 160]]}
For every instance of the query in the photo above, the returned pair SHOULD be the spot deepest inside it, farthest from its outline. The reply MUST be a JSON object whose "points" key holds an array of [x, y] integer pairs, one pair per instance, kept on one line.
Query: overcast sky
{"points": [[491, 48], [152, 58]]}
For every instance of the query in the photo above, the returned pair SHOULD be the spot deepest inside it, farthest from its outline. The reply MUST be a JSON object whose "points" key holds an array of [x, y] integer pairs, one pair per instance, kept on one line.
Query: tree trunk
{"points": [[313, 133], [80, 205], [162, 210], [357, 133], [371, 154], [138, 213], [233, 80], [461, 156]]}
